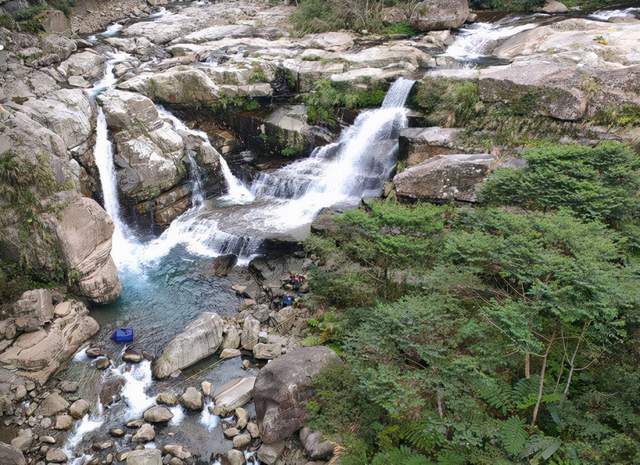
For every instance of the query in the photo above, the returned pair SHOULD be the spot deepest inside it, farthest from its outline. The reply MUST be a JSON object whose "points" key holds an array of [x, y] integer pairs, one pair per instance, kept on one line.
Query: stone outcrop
{"points": [[84, 231], [39, 353], [433, 15], [233, 394], [200, 339], [445, 178], [283, 386], [419, 144]]}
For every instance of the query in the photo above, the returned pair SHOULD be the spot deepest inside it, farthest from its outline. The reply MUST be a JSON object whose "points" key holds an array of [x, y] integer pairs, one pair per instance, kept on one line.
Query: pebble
{"points": [[116, 432], [231, 432], [63, 422], [242, 440], [103, 363]]}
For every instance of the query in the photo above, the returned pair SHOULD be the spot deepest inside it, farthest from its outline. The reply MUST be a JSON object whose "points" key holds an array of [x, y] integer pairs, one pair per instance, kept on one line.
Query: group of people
{"points": [[295, 282]]}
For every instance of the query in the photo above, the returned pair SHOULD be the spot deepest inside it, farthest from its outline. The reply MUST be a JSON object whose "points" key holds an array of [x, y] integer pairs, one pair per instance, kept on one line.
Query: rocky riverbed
{"points": [[162, 145]]}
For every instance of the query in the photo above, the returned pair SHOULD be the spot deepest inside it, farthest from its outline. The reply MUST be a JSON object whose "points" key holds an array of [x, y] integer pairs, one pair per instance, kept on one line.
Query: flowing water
{"points": [[168, 281]]}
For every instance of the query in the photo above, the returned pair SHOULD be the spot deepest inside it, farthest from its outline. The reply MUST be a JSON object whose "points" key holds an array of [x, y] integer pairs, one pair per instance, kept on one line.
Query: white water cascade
{"points": [[606, 15], [476, 40], [279, 203]]}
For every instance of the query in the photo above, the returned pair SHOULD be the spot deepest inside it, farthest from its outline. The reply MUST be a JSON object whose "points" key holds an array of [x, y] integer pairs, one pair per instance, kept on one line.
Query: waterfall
{"points": [[476, 40], [197, 191], [236, 191]]}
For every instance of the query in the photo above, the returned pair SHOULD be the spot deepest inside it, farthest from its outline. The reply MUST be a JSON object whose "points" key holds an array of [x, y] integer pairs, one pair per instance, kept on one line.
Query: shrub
{"points": [[596, 183]]}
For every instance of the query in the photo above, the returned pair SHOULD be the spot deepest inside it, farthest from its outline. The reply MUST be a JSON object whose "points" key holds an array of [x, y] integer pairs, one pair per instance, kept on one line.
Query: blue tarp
{"points": [[122, 335]]}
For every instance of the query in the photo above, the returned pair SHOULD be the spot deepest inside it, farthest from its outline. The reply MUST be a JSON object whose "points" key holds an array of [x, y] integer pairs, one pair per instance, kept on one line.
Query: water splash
{"points": [[90, 422], [237, 193], [476, 40], [178, 415], [137, 379], [208, 419], [606, 15]]}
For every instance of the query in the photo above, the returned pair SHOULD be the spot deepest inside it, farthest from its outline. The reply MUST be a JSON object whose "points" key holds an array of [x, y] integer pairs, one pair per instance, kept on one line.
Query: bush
{"points": [[448, 102], [598, 183], [326, 97], [332, 15]]}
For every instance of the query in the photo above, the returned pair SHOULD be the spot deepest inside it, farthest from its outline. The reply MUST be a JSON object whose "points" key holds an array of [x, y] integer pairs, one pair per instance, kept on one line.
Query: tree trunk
{"points": [[527, 365], [543, 369]]}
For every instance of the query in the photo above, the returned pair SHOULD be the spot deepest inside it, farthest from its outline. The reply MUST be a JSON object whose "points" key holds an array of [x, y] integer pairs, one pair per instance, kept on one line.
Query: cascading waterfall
{"points": [[236, 190], [474, 41], [288, 199]]}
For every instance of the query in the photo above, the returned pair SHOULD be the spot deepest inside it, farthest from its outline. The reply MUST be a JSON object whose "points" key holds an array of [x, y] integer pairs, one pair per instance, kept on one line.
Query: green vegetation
{"points": [[403, 28], [531, 5], [23, 186], [327, 97], [333, 15], [626, 115], [234, 104], [257, 76], [487, 335]]}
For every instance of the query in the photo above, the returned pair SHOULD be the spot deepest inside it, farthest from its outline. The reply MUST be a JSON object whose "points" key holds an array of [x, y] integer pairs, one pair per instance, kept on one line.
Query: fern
{"points": [[513, 435], [400, 456], [496, 394], [541, 448], [425, 435]]}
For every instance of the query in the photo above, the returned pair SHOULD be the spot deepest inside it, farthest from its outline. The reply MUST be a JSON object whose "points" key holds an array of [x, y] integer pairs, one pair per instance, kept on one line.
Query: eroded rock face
{"points": [[10, 455], [37, 355], [445, 177], [200, 339], [420, 144], [433, 15], [283, 386], [84, 231]]}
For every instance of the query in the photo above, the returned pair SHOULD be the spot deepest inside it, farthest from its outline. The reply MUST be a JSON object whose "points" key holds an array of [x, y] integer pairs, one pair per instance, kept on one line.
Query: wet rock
{"points": [[64, 422], [24, 440], [10, 455], [167, 398], [267, 351], [68, 386], [56, 456], [145, 433], [230, 353], [191, 399], [242, 418], [270, 453], [144, 457], [316, 448], [200, 339], [116, 432], [79, 408], [135, 424], [231, 337], [250, 331], [47, 439], [132, 356], [235, 457], [103, 363], [54, 403], [177, 451], [253, 430], [445, 178], [158, 414], [231, 432], [103, 445], [241, 440], [432, 15], [95, 352], [233, 394], [110, 390], [21, 392], [283, 386], [207, 388]]}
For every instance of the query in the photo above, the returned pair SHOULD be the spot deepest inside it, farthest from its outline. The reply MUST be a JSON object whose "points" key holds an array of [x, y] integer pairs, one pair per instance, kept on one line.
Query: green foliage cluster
{"points": [[326, 97], [454, 103], [490, 334], [625, 115], [235, 104], [23, 186], [506, 5]]}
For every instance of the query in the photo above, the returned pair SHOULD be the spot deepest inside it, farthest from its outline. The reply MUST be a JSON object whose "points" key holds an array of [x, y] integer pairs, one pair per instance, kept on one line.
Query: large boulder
{"points": [[233, 394], [33, 309], [9, 455], [283, 386], [200, 339], [39, 354], [445, 178], [84, 231], [432, 15], [419, 144], [144, 457]]}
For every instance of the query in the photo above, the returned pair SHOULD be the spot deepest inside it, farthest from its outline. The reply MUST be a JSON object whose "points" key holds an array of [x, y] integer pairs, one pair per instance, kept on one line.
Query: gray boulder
{"points": [[283, 386], [158, 414], [315, 446], [432, 15], [9, 455], [191, 399], [233, 394], [144, 457], [445, 178], [200, 339]]}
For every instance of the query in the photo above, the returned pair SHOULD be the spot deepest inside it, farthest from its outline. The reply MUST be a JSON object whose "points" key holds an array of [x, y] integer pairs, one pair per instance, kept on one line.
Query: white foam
{"points": [[81, 355], [474, 41], [90, 422], [606, 15], [208, 419], [178, 415], [138, 379]]}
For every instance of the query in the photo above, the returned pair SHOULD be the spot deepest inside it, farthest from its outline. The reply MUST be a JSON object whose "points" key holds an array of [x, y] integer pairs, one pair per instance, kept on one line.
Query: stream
{"points": [[167, 281]]}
